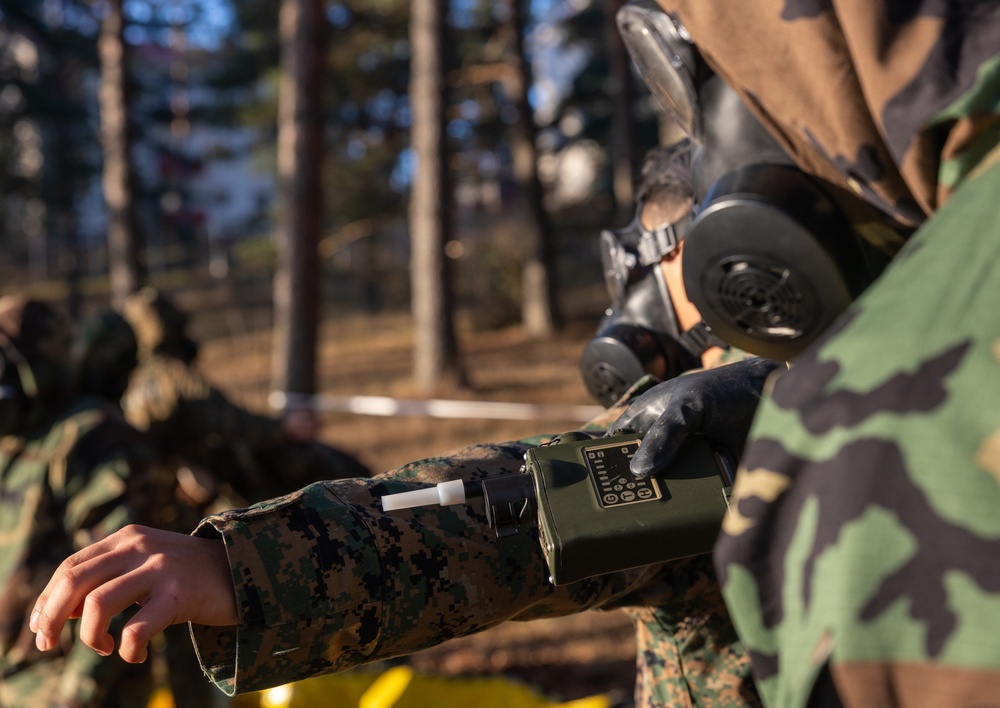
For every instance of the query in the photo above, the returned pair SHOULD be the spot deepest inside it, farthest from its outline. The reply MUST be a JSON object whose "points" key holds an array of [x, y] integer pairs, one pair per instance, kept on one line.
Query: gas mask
{"points": [[639, 334], [771, 257], [17, 386]]}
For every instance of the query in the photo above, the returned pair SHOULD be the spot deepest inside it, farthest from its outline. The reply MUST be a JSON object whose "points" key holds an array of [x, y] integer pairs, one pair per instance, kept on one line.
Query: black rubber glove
{"points": [[718, 403]]}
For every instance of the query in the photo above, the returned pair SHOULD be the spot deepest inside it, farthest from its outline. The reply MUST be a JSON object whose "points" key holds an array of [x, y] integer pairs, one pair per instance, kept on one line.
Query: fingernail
{"points": [[42, 642], [33, 621]]}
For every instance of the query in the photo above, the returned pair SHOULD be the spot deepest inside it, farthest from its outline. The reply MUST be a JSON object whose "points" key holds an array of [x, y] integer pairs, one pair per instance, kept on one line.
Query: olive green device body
{"points": [[594, 517]]}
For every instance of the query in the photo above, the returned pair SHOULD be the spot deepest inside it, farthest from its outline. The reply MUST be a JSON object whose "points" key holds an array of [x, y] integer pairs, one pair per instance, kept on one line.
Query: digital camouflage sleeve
{"points": [[860, 562], [326, 581]]}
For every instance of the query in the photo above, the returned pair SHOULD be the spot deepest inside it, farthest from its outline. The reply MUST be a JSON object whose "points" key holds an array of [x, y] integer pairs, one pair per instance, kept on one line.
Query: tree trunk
{"points": [[119, 179], [435, 346], [301, 116], [64, 177], [538, 286], [623, 158]]}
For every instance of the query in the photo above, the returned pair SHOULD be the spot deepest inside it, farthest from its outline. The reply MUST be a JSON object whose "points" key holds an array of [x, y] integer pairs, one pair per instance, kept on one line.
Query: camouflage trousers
{"points": [[396, 583], [687, 652], [860, 557]]}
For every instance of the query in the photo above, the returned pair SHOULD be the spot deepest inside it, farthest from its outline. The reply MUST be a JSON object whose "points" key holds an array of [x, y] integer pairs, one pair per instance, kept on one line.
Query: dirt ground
{"points": [[565, 658]]}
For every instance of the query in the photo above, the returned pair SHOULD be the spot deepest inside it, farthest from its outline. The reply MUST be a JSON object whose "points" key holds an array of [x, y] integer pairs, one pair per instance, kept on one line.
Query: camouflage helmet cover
{"points": [[104, 353]]}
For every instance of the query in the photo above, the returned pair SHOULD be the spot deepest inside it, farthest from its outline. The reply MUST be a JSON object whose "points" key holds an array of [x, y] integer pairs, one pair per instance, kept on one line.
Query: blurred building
{"points": [[200, 185]]}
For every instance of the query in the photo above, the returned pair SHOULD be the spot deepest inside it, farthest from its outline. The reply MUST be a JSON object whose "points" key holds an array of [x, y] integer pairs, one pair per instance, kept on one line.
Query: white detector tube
{"points": [[445, 494]]}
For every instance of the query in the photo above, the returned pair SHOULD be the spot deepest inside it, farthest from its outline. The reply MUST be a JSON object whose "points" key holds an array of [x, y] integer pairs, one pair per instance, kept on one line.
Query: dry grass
{"points": [[372, 355]]}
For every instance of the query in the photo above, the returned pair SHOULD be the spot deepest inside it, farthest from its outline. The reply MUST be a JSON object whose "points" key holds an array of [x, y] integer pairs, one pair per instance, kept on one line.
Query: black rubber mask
{"points": [[639, 334], [771, 258], [640, 338]]}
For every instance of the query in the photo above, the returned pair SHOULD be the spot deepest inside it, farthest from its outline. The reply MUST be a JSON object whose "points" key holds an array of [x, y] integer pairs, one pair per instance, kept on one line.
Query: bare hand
{"points": [[175, 578]]}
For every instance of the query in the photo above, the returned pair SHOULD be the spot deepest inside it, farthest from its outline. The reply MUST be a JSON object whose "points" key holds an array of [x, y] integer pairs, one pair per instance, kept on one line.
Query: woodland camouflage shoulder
{"points": [[864, 533], [896, 101], [72, 483], [860, 549]]}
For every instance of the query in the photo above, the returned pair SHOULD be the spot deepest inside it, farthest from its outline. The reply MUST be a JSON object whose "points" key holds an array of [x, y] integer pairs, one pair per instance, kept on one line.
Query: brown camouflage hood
{"points": [[883, 97], [159, 326]]}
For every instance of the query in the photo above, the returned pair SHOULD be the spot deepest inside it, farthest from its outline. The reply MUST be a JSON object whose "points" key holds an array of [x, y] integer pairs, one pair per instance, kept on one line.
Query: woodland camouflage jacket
{"points": [[860, 555], [70, 482]]}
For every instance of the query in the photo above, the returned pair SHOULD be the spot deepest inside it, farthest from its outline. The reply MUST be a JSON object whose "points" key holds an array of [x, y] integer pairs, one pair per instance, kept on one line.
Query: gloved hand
{"points": [[718, 403]]}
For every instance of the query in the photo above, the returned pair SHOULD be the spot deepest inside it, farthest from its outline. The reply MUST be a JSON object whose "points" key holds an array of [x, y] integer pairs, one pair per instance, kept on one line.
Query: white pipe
{"points": [[445, 494]]}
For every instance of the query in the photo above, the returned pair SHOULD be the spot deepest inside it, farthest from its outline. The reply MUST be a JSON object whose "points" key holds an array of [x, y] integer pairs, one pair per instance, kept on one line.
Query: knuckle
{"points": [[158, 562], [131, 534], [66, 569], [44, 622], [133, 635], [70, 577], [130, 530], [95, 603], [135, 538]]}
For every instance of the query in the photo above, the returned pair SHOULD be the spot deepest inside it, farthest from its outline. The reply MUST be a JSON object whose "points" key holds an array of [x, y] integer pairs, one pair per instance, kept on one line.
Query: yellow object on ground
{"points": [[400, 687], [161, 698]]}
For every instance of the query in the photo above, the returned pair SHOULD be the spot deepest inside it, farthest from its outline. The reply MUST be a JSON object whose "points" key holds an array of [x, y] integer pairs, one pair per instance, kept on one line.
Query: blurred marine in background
{"points": [[210, 453], [104, 353], [71, 473], [225, 456]]}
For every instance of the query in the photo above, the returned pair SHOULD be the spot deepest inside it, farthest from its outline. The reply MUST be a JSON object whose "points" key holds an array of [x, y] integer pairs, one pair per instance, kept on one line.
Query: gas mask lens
{"points": [[665, 60]]}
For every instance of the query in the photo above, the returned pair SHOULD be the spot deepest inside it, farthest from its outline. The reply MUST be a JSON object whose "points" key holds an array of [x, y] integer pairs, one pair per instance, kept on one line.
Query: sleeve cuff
{"points": [[298, 564]]}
